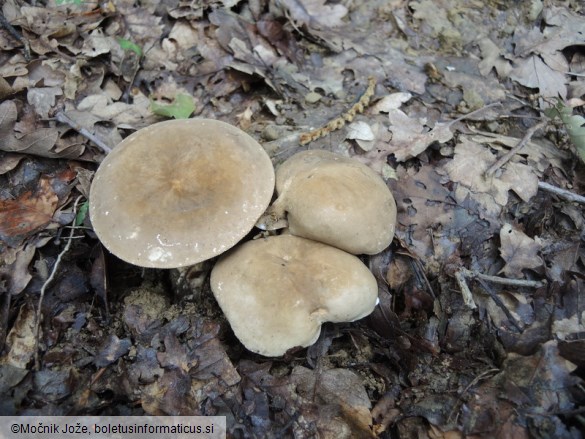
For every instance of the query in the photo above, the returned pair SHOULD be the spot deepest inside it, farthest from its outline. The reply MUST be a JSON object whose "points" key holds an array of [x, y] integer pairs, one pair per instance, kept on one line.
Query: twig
{"points": [[63, 118], [501, 305], [563, 193], [465, 291], [506, 157], [474, 113], [502, 280], [462, 274], [48, 282], [16, 35]]}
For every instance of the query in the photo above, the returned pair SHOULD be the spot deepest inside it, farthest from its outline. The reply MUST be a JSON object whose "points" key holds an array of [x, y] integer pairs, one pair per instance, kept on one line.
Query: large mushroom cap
{"points": [[336, 200], [179, 192], [276, 292]]}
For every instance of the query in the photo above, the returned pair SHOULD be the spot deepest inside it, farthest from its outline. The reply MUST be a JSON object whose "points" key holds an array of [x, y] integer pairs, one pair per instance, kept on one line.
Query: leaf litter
{"points": [[480, 323]]}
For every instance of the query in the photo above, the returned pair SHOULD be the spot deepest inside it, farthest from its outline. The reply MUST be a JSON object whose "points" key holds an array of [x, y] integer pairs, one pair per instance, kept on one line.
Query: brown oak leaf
{"points": [[519, 251]]}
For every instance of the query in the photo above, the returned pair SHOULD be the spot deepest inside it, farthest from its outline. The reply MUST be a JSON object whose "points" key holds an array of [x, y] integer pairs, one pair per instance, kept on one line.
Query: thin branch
{"points": [[48, 282], [465, 291], [474, 113], [63, 118], [501, 305], [563, 193], [506, 157], [502, 280], [16, 35]]}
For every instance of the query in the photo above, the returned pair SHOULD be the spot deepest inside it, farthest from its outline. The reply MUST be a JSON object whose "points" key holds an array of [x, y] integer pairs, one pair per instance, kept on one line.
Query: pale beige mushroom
{"points": [[180, 192], [277, 291], [333, 199]]}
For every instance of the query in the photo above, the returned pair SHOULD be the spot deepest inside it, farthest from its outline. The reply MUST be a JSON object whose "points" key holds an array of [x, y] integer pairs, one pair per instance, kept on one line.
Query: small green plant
{"points": [[181, 108], [129, 45], [81, 214], [574, 124]]}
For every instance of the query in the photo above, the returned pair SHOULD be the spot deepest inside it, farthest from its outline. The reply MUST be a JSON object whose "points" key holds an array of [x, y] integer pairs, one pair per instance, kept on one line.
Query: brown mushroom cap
{"points": [[334, 199], [179, 192], [276, 292]]}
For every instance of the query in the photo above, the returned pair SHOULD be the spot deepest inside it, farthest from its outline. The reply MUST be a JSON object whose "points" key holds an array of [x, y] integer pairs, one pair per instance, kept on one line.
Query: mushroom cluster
{"points": [[276, 292], [181, 192]]}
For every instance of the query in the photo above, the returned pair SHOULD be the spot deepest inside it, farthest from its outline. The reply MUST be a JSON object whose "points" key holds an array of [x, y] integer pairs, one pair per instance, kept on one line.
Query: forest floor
{"points": [[479, 332]]}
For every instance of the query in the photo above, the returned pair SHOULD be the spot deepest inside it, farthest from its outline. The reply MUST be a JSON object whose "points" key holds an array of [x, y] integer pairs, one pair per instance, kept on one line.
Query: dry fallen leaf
{"points": [[316, 13], [534, 73], [38, 142], [14, 268], [411, 136], [124, 115], [492, 58], [519, 251], [437, 17], [565, 329], [423, 204], [360, 130], [390, 102], [21, 339], [468, 168], [28, 213], [43, 99], [337, 387], [540, 153]]}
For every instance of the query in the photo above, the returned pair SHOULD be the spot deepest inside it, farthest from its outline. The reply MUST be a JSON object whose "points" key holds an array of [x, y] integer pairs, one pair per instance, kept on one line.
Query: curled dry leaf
{"points": [[361, 131], [281, 39], [21, 339], [391, 102]]}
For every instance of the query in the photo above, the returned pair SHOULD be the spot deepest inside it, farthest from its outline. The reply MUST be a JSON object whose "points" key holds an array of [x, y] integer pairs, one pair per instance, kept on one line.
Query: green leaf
{"points": [[64, 2], [129, 45], [81, 214], [181, 108], [574, 124]]}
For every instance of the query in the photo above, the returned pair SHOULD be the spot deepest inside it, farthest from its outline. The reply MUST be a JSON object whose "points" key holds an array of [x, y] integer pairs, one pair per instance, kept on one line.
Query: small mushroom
{"points": [[277, 291], [179, 192], [333, 199]]}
